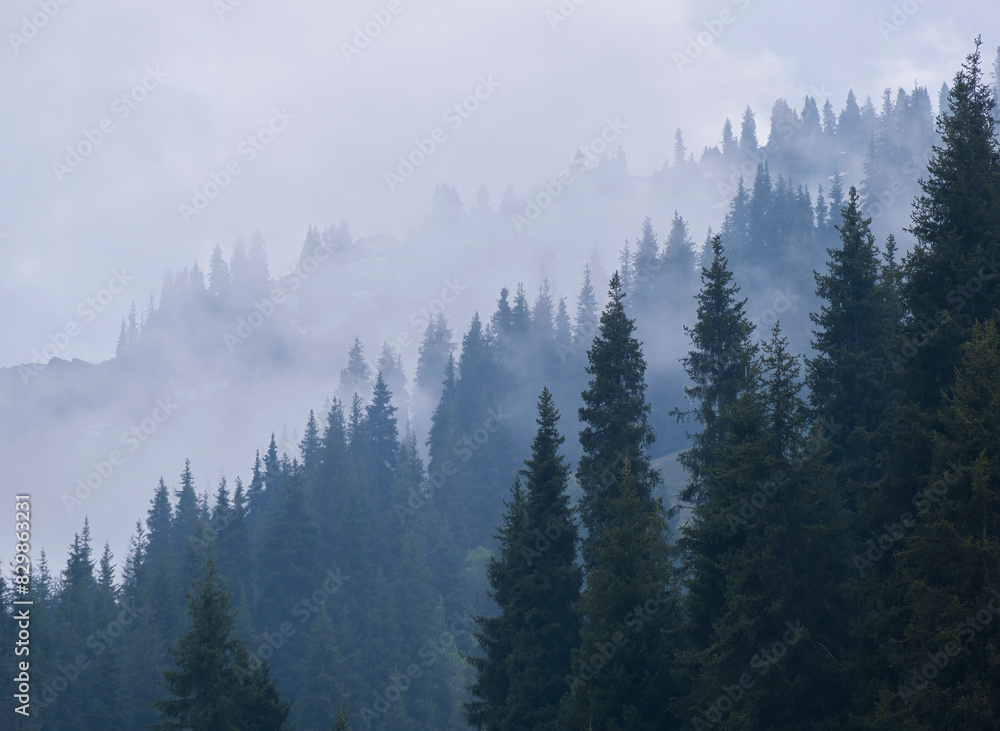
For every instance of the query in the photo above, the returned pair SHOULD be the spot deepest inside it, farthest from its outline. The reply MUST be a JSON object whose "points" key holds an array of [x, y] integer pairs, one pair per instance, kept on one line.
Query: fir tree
{"points": [[290, 568], [383, 440], [730, 146], [849, 126], [736, 225], [158, 523], [390, 365], [758, 569], [542, 316], [563, 330], [215, 685], [945, 575], [587, 321], [538, 576], [323, 670], [678, 262], [492, 684], [310, 446], [645, 266], [630, 612], [720, 367], [356, 376], [502, 321], [219, 277], [748, 133], [520, 313], [342, 722], [434, 351], [680, 151], [955, 223], [615, 417], [847, 379], [186, 526]]}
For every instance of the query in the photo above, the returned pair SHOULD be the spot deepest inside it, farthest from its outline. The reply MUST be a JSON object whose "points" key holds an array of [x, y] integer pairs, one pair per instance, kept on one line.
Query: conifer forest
{"points": [[715, 445]]}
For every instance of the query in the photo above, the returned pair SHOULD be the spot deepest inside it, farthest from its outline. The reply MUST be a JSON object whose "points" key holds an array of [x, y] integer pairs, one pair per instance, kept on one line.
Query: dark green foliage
{"points": [[945, 585], [536, 584], [383, 440], [766, 552], [310, 446], [615, 414], [848, 384], [956, 223], [491, 687], [216, 686], [323, 671], [630, 614], [435, 350], [829, 553], [720, 368], [390, 366], [356, 376]]}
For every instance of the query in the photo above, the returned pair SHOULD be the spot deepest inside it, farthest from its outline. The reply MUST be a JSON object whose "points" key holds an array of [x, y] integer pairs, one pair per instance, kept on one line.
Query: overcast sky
{"points": [[216, 75]]}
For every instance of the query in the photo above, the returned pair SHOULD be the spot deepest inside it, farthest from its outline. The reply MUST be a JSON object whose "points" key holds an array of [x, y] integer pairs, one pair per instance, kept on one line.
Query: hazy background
{"points": [[227, 70], [119, 208]]}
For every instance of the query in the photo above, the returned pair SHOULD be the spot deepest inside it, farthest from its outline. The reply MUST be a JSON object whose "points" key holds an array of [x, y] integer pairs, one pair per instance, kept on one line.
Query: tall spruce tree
{"points": [[587, 323], [539, 581], [678, 263], [434, 351], [944, 592], [215, 685], [630, 613], [383, 441], [767, 555], [615, 416], [626, 554], [356, 376], [951, 274], [491, 687], [847, 378], [720, 366]]}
